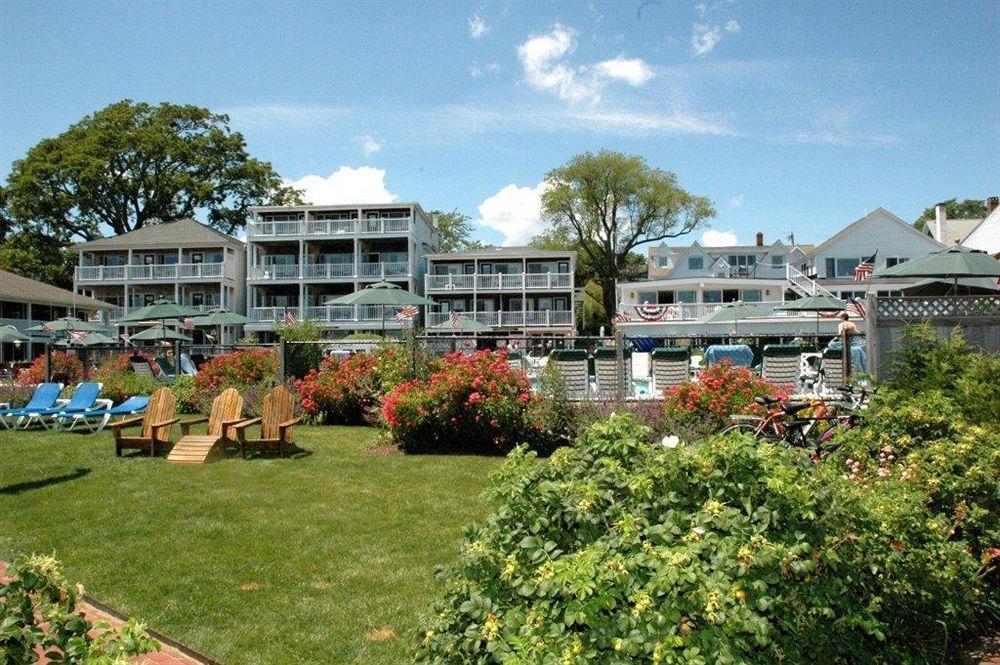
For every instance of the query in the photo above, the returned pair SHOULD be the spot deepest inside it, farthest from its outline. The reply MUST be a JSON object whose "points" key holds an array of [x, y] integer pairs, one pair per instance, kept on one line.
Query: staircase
{"points": [[802, 284]]}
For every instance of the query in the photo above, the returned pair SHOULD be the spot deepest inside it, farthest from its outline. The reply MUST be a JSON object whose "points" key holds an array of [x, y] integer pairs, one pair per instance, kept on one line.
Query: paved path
{"points": [[167, 655]]}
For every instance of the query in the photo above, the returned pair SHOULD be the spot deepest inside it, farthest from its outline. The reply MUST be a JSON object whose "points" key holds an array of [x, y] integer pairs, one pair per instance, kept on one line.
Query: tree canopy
{"points": [[131, 164], [965, 209], [610, 203], [454, 230]]}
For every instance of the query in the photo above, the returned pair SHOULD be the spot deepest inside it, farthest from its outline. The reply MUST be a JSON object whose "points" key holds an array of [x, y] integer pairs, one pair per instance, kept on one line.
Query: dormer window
{"points": [[696, 263]]}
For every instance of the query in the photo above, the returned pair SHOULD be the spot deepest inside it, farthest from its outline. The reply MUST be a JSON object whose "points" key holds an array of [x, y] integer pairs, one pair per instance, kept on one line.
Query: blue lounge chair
{"points": [[84, 398], [45, 397], [96, 419]]}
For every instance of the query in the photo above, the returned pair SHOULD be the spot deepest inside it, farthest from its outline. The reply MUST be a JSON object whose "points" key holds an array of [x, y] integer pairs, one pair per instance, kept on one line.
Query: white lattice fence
{"points": [[931, 307]]}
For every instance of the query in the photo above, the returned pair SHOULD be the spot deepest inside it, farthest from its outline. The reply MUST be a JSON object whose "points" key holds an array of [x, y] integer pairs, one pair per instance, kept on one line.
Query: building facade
{"points": [[299, 257], [513, 290], [184, 261]]}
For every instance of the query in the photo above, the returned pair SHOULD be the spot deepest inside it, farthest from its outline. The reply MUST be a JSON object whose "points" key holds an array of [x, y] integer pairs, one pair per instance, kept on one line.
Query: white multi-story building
{"points": [[299, 257], [184, 261], [514, 290]]}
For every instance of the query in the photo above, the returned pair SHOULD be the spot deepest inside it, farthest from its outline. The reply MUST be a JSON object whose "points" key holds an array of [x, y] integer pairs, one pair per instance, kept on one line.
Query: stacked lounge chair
{"points": [[832, 369], [84, 399], [606, 372], [46, 396], [781, 364], [670, 367], [571, 367]]}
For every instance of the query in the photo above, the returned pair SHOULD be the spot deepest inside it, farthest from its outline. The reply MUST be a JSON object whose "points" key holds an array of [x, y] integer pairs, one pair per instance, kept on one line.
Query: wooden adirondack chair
{"points": [[196, 448], [276, 423], [156, 424]]}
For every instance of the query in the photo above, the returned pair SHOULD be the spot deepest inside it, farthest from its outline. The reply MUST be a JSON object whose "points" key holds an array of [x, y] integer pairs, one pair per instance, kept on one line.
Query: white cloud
{"points": [[369, 145], [542, 57], [516, 212], [634, 71], [478, 27], [364, 184], [478, 71], [733, 25], [705, 38], [713, 238], [737, 200]]}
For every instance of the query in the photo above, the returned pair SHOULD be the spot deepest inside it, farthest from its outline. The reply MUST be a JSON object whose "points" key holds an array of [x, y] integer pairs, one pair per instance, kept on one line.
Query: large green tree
{"points": [[130, 164], [611, 203], [454, 230], [965, 209]]}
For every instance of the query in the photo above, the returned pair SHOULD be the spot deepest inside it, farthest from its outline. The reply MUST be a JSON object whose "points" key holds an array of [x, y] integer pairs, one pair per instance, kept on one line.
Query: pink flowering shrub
{"points": [[473, 403], [239, 369], [721, 391], [66, 369]]}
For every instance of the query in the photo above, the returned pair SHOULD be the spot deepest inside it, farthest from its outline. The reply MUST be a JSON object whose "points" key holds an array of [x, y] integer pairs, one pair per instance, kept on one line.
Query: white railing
{"points": [[275, 272], [395, 269], [329, 227], [694, 311], [328, 270], [150, 272], [509, 319], [327, 313], [802, 283], [499, 282]]}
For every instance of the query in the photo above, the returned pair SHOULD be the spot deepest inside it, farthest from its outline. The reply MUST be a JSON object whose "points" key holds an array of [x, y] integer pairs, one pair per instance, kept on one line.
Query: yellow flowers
{"points": [[476, 548], [584, 505], [545, 572], [490, 630], [510, 568], [713, 507], [641, 602]]}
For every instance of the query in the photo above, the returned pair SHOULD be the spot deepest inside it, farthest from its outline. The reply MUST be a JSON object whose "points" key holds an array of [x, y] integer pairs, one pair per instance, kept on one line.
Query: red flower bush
{"points": [[66, 369], [239, 369], [473, 403], [720, 391]]}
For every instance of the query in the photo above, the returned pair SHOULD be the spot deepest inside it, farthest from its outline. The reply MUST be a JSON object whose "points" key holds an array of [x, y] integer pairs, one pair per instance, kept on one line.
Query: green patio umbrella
{"points": [[161, 309], [966, 286], [68, 324], [382, 294], [464, 325], [159, 332], [816, 303], [219, 317], [90, 339], [952, 263], [10, 334], [734, 311]]}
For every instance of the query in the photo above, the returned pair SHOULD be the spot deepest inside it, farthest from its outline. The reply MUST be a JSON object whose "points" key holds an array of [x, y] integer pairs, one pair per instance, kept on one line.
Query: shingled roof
{"points": [[16, 288], [179, 233]]}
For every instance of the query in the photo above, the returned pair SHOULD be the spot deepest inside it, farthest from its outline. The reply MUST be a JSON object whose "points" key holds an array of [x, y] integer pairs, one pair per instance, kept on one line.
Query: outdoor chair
{"points": [[187, 365], [781, 364], [154, 425], [46, 396], [95, 420], [740, 355], [606, 372], [570, 365], [141, 367], [167, 370], [227, 409], [276, 422], [670, 367], [832, 369], [83, 399]]}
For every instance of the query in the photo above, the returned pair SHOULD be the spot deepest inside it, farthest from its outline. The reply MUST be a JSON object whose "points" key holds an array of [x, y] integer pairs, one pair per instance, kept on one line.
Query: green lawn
{"points": [[322, 559]]}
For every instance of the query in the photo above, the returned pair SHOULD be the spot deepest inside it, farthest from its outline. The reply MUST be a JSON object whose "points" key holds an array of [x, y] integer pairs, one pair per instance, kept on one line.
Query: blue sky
{"points": [[789, 116]]}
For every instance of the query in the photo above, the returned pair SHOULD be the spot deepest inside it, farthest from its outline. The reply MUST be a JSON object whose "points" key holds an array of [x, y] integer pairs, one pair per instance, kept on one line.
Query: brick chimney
{"points": [[991, 204], [760, 239], [940, 219]]}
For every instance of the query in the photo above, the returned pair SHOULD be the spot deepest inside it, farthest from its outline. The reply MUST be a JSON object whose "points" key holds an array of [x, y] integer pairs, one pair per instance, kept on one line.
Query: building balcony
{"points": [[324, 271], [326, 313], [499, 282], [547, 318], [331, 227], [152, 273]]}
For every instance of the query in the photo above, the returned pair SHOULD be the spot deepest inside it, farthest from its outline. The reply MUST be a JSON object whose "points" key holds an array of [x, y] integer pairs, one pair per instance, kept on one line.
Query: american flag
{"points": [[187, 323], [288, 319], [407, 313], [77, 335], [856, 307], [865, 269], [456, 320], [621, 317]]}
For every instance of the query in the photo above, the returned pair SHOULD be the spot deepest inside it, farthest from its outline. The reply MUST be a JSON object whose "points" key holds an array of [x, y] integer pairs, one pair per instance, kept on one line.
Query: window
{"points": [[559, 304], [686, 296], [13, 310], [711, 296], [663, 261], [278, 260], [777, 260], [891, 261], [563, 267], [846, 295], [485, 268], [891, 293], [696, 263], [170, 259], [751, 295], [647, 297], [469, 269], [197, 299], [148, 299], [148, 259], [116, 260]]}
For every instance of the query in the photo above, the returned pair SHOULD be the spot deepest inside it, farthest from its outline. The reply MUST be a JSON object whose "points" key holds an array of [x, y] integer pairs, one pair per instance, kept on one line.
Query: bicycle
{"points": [[781, 422]]}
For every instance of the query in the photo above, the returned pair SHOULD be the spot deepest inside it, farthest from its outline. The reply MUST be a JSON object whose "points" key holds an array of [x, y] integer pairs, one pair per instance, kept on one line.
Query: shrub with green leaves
{"points": [[38, 612], [724, 551]]}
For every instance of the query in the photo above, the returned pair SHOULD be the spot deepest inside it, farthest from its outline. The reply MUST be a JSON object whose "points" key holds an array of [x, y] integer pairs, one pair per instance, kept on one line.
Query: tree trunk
{"points": [[608, 298]]}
